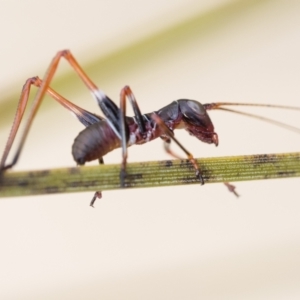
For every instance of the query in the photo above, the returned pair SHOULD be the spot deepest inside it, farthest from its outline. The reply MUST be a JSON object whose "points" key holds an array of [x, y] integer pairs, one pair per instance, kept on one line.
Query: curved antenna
{"points": [[218, 105]]}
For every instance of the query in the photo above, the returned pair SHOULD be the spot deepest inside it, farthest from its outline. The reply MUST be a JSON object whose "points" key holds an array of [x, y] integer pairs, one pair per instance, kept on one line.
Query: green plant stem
{"points": [[149, 174]]}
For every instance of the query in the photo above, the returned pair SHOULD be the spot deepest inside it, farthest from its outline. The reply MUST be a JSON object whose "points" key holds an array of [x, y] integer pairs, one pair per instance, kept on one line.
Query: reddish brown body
{"points": [[117, 130], [102, 137], [98, 139]]}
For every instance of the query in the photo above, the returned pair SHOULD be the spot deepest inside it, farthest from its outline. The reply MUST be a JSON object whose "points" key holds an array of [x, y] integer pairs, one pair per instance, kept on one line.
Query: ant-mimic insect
{"points": [[116, 130]]}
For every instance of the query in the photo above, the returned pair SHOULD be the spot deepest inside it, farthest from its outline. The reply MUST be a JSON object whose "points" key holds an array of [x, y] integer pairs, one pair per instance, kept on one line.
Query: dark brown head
{"points": [[196, 121]]}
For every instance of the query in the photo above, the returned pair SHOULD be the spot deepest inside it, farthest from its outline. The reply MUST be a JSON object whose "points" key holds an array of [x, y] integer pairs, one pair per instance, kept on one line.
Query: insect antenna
{"points": [[218, 105]]}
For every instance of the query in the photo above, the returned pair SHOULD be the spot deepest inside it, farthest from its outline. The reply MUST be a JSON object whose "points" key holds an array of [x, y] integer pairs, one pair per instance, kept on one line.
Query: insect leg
{"points": [[167, 142], [108, 107], [117, 119], [124, 131], [85, 117], [170, 134], [231, 188], [100, 96], [167, 146]]}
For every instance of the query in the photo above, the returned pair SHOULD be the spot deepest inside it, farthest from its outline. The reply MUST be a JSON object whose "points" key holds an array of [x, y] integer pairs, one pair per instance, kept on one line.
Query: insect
{"points": [[116, 130]]}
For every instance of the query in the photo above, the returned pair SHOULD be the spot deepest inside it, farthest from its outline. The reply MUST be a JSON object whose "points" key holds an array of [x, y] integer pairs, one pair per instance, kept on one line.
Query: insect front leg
{"points": [[170, 136], [167, 144]]}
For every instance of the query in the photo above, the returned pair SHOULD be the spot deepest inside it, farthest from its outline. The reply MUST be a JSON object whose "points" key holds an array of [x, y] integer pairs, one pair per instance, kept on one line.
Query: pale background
{"points": [[187, 242]]}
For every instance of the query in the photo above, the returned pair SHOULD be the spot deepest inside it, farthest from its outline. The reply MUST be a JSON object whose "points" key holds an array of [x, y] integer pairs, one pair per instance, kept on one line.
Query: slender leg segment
{"points": [[117, 117], [16, 123], [231, 188], [108, 107], [170, 134], [98, 194], [85, 117], [124, 131], [167, 143], [43, 87]]}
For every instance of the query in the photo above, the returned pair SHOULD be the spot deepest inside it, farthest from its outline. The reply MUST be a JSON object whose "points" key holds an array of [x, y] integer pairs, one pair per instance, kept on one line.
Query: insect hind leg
{"points": [[85, 117]]}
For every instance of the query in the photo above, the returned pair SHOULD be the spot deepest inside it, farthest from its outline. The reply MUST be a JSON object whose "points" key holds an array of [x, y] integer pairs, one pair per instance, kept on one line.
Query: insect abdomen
{"points": [[94, 142]]}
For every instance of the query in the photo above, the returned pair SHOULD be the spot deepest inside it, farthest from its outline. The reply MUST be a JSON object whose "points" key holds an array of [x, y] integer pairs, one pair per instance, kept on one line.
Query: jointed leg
{"points": [[38, 98], [85, 117], [231, 188], [16, 123], [167, 141], [170, 134], [126, 92], [104, 102], [98, 194]]}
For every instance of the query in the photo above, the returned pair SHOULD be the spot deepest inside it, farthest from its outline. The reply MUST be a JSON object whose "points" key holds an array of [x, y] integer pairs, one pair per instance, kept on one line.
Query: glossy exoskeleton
{"points": [[102, 135]]}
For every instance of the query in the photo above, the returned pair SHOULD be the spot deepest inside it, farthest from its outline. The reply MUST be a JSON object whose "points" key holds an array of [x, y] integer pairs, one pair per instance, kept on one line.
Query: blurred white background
{"points": [[186, 242]]}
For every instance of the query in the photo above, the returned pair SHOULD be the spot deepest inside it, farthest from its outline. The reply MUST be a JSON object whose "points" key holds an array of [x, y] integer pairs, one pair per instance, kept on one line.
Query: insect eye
{"points": [[191, 109], [196, 107]]}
